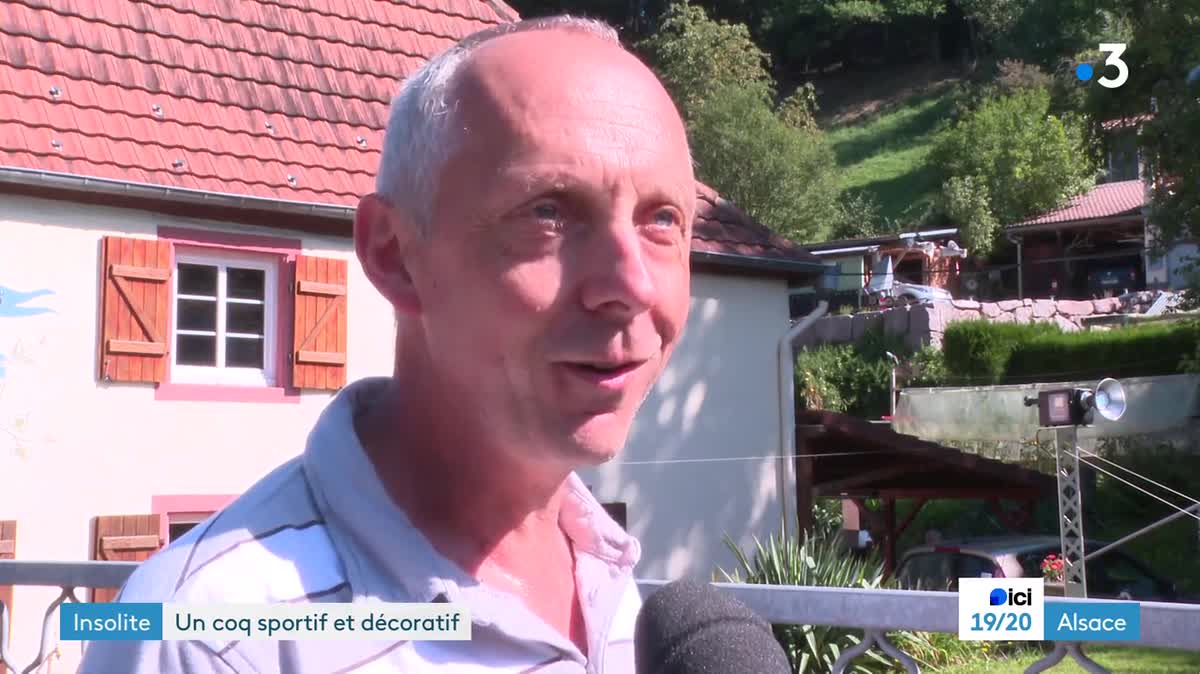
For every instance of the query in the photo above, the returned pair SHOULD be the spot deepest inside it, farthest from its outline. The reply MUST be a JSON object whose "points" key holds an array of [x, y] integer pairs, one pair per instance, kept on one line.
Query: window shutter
{"points": [[123, 538], [8, 550], [319, 350], [135, 306]]}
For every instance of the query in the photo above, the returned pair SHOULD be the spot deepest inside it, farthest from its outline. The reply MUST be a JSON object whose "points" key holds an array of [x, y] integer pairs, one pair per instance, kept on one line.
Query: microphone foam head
{"points": [[689, 627]]}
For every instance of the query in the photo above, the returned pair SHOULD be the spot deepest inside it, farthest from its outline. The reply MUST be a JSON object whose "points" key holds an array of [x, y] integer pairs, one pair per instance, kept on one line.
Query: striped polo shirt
{"points": [[321, 528]]}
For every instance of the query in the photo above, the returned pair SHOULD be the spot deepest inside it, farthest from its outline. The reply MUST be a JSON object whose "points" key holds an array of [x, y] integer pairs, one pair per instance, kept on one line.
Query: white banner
{"points": [[304, 622]]}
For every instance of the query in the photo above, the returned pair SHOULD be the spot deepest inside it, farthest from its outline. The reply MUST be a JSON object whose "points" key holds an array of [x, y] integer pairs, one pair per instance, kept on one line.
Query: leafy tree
{"points": [[859, 217], [695, 56], [774, 164], [966, 202], [782, 177], [1027, 160]]}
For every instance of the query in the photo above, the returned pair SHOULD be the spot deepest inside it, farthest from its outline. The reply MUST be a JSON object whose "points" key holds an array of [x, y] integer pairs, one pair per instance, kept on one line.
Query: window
{"points": [[179, 524], [208, 315], [224, 319]]}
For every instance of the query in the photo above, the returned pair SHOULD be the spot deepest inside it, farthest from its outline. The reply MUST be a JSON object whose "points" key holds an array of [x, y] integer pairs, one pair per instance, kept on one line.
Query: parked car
{"points": [[885, 291], [1113, 575]]}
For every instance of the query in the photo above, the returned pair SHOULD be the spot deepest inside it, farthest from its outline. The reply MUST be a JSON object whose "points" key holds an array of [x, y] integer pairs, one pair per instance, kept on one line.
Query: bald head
{"points": [[427, 126]]}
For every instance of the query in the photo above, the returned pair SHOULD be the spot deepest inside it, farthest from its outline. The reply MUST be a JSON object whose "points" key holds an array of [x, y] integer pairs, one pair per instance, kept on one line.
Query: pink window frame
{"points": [[285, 252], [166, 505]]}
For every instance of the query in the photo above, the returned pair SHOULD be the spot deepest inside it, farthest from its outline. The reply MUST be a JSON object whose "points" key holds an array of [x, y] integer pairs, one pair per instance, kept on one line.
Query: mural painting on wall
{"points": [[14, 426]]}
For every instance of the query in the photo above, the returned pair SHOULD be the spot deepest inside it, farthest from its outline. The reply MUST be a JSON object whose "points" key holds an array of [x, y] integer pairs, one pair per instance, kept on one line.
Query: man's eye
{"points": [[666, 217], [547, 213]]}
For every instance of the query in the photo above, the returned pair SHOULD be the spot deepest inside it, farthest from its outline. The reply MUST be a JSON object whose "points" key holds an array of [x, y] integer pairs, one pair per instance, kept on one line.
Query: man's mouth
{"points": [[608, 369]]}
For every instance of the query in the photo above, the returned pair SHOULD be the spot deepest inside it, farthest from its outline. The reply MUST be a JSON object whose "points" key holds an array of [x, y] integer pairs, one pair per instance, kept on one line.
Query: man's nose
{"points": [[619, 281]]}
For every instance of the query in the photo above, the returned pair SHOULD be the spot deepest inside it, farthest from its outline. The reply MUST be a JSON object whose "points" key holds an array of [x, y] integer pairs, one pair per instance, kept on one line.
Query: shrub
{"points": [[980, 350], [1156, 349], [821, 560]]}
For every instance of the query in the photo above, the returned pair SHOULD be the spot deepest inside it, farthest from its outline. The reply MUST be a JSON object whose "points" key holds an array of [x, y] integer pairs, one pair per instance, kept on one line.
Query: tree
{"points": [[695, 56], [1028, 160], [783, 177], [773, 163], [965, 201]]}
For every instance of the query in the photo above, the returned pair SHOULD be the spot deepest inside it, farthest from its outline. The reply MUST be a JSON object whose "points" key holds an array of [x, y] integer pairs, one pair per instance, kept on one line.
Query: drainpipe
{"points": [[1020, 269], [787, 407]]}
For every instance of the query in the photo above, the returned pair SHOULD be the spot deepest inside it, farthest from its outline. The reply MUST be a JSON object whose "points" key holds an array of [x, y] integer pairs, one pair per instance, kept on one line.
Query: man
{"points": [[531, 228]]}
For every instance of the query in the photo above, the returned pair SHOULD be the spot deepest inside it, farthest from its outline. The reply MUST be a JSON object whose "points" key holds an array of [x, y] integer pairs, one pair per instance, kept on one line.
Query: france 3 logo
{"points": [[1001, 609]]}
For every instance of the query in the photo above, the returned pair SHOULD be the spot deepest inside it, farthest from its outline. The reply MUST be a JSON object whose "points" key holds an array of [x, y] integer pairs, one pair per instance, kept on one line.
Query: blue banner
{"points": [[110, 622], [1093, 621]]}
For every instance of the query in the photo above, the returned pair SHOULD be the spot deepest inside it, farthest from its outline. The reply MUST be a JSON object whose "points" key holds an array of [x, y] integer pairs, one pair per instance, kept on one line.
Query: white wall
{"points": [[72, 448], [717, 399]]}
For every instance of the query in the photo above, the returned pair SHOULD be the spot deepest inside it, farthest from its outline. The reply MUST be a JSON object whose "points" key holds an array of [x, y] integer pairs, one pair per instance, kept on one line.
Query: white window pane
{"points": [[197, 279], [244, 318], [243, 352], [195, 350], [197, 315], [246, 284]]}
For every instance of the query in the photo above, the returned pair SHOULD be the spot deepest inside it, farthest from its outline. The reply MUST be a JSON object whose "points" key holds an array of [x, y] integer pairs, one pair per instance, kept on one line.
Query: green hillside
{"points": [[884, 153]]}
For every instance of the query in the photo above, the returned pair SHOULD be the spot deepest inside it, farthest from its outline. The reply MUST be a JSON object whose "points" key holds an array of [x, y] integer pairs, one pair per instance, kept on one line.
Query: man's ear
{"points": [[383, 238]]}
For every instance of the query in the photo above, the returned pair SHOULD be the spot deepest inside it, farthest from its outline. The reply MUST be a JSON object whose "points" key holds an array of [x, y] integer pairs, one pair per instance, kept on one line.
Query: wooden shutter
{"points": [[8, 550], [123, 538], [135, 296], [319, 350]]}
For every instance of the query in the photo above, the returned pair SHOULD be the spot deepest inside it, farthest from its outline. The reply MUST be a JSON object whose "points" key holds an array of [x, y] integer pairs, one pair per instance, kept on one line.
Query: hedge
{"points": [[982, 352]]}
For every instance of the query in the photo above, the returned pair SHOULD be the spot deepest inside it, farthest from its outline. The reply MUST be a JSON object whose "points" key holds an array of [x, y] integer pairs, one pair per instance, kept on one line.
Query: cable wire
{"points": [[1137, 474], [1185, 511], [715, 459]]}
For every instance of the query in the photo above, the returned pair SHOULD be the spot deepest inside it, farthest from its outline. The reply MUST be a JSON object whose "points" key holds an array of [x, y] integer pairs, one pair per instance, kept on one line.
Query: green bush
{"points": [[980, 350], [1157, 349]]}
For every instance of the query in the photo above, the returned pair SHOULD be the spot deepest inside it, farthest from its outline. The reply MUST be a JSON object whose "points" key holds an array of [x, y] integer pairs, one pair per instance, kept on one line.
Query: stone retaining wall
{"points": [[924, 324]]}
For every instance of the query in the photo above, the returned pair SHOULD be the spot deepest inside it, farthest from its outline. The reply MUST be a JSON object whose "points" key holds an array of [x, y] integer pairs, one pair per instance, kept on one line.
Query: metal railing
{"points": [[875, 612]]}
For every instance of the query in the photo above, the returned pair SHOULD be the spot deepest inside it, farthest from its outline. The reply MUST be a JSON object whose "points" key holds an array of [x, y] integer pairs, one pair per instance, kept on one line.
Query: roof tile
{"points": [[233, 96], [1103, 201]]}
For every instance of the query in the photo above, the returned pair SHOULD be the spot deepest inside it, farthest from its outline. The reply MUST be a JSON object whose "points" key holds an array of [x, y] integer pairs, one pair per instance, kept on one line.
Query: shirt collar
{"points": [[381, 547]]}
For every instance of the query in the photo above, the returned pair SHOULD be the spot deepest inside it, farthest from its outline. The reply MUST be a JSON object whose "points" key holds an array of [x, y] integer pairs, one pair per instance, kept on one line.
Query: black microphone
{"points": [[692, 628]]}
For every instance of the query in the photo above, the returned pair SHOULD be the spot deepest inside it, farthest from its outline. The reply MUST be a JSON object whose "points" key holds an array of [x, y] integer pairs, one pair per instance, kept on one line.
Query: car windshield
{"points": [[940, 570]]}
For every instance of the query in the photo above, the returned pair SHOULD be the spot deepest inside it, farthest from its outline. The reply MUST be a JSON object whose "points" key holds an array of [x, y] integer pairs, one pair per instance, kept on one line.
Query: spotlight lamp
{"points": [[1078, 406]]}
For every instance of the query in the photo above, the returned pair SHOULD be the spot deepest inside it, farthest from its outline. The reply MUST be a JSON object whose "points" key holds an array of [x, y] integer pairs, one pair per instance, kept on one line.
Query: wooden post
{"points": [[804, 487]]}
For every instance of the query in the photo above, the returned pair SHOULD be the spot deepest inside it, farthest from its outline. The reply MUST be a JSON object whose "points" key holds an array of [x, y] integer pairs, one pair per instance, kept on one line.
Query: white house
{"points": [[179, 296]]}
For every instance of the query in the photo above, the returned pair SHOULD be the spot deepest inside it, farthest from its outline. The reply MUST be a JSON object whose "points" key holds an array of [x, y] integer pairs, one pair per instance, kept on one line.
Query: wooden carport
{"points": [[851, 459]]}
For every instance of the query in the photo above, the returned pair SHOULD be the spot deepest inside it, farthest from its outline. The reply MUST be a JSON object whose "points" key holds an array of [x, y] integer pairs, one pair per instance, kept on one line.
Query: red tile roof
{"points": [[277, 99], [722, 227], [1126, 197]]}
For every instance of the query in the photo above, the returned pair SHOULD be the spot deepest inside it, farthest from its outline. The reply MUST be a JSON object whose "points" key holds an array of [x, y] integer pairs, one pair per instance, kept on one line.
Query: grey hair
{"points": [[421, 132]]}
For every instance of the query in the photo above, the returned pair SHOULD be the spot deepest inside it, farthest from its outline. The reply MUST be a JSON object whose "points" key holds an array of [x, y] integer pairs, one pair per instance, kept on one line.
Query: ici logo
{"points": [[999, 597]]}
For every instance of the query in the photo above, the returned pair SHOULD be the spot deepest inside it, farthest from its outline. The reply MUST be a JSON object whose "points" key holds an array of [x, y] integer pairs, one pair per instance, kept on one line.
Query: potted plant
{"points": [[1052, 572]]}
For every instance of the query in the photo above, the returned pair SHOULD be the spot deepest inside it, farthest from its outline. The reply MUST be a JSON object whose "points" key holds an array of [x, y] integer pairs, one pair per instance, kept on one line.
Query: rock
{"points": [[895, 321], [1008, 305], [1043, 308], [841, 329], [1020, 315], [866, 322], [965, 304], [1006, 317], [1065, 324], [1106, 305], [991, 310], [1075, 307]]}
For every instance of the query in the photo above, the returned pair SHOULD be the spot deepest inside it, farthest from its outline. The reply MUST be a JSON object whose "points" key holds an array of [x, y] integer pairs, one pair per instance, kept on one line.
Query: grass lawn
{"points": [[1116, 659], [886, 155]]}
